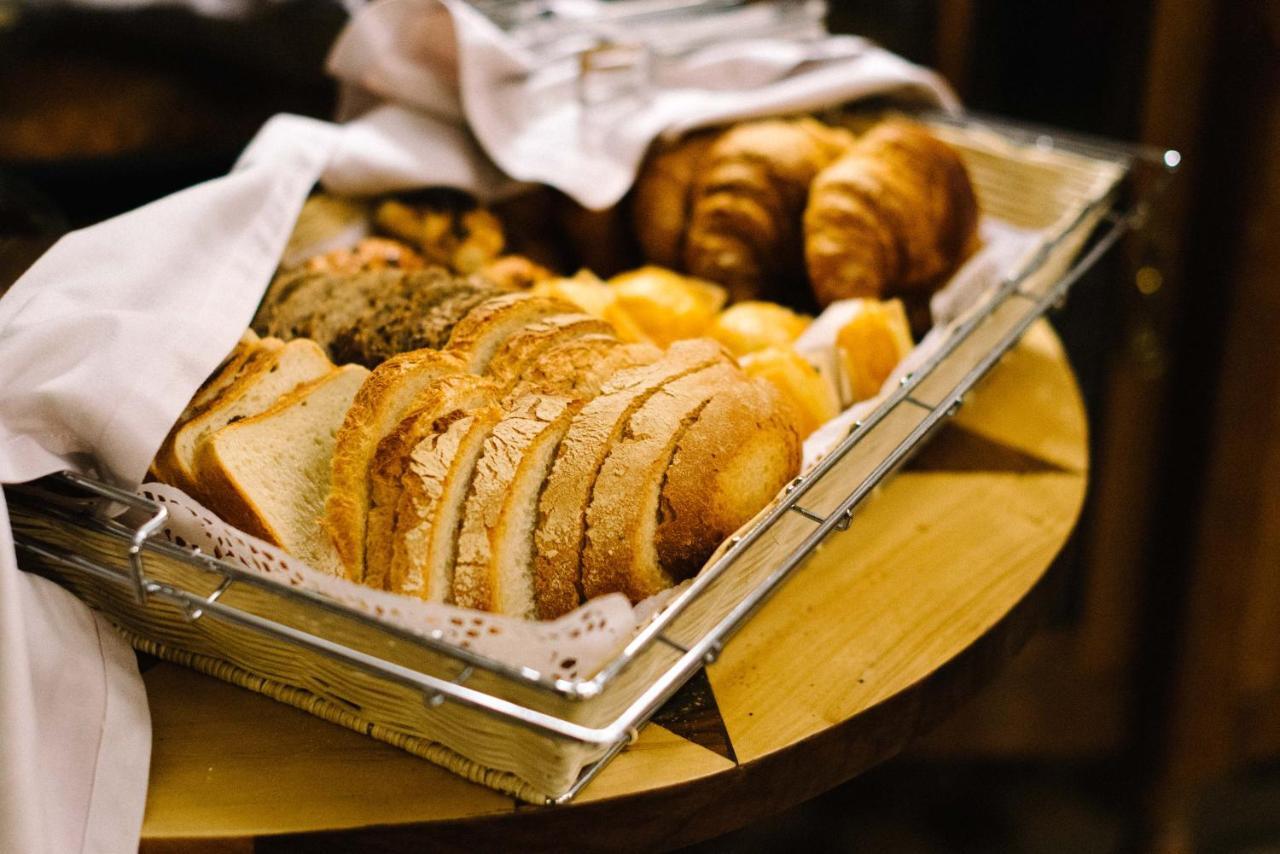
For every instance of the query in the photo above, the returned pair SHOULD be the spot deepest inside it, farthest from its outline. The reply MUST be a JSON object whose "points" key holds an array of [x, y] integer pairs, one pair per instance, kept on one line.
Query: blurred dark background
{"points": [[1147, 715]]}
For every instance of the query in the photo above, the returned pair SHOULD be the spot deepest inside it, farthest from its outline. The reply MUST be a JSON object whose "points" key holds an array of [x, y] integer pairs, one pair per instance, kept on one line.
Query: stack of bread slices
{"points": [[533, 462]]}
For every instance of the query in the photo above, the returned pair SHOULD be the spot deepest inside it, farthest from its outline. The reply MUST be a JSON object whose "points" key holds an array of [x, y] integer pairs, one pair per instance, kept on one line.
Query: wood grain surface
{"points": [[890, 627]]}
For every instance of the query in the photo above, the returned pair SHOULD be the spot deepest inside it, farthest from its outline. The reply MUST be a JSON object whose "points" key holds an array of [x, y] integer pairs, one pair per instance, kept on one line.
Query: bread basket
{"points": [[538, 738]]}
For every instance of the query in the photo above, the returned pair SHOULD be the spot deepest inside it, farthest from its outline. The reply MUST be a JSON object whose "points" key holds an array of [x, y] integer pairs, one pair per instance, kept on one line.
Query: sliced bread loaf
{"points": [[622, 516], [580, 366], [493, 571], [739, 452], [440, 402], [164, 465], [382, 402], [486, 327], [559, 538], [524, 347], [268, 474], [434, 490], [273, 370], [368, 316]]}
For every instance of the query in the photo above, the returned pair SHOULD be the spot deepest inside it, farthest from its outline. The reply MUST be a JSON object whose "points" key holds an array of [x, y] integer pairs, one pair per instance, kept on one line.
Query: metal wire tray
{"points": [[64, 528]]}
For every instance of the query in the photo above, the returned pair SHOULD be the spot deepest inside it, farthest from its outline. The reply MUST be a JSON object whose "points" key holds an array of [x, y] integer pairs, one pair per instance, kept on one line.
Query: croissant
{"points": [[893, 215], [660, 204], [748, 197]]}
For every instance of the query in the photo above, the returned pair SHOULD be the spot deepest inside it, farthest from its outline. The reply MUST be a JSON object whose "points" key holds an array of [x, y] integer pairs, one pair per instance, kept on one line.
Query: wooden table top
{"points": [[888, 629]]}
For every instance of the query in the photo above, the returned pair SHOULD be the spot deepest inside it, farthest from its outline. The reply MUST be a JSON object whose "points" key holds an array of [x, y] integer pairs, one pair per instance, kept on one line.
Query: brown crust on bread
{"points": [[435, 486], [164, 467], [618, 554], [225, 496], [261, 368], [729, 463], [525, 346], [380, 404], [578, 368], [441, 400], [506, 451], [479, 335], [562, 507]]}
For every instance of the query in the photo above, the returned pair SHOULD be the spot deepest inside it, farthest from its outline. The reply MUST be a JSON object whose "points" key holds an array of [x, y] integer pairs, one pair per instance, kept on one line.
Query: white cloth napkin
{"points": [[445, 61], [105, 338]]}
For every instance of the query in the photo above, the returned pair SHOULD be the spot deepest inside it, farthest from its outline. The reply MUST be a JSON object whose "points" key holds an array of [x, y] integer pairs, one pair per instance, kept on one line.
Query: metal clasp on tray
{"points": [[157, 516]]}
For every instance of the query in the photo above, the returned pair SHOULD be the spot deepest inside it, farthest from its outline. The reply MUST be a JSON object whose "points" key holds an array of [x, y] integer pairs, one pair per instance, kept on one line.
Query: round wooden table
{"points": [[889, 628]]}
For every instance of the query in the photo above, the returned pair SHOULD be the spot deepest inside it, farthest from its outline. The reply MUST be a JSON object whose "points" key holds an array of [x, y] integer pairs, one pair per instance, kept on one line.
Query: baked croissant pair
{"points": [[886, 214]]}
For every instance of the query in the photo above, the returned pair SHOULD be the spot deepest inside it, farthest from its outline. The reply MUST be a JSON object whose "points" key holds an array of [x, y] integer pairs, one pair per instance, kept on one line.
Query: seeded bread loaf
{"points": [[562, 507], [383, 401], [369, 316], [268, 474]]}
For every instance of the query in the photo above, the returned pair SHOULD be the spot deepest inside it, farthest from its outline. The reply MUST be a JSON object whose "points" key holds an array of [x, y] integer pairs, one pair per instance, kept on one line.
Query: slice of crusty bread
{"points": [[622, 516], [268, 474], [525, 346], [385, 398], [740, 451], [230, 369], [580, 366], [438, 403], [271, 372], [434, 490], [493, 571], [558, 540], [220, 380], [487, 326]]}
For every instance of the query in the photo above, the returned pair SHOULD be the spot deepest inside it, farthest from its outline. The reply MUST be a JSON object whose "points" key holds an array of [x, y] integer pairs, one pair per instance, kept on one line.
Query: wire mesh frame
{"points": [[692, 656]]}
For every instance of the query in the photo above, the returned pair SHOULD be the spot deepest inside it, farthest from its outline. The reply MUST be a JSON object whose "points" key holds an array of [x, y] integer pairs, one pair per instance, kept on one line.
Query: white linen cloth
{"points": [[106, 337], [525, 113]]}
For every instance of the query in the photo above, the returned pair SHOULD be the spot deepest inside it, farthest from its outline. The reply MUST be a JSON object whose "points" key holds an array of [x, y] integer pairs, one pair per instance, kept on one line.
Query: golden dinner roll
{"points": [[870, 345], [596, 298], [799, 382], [749, 326], [667, 306]]}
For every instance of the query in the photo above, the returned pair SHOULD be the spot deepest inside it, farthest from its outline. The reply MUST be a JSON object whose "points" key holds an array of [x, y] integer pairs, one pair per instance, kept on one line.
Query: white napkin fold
{"points": [[105, 339], [444, 59]]}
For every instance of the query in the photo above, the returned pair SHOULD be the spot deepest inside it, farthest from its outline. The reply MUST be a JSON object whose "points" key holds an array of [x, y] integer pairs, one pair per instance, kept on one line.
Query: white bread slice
{"points": [[268, 474], [382, 402], [219, 381], [742, 449], [486, 327], [562, 507], [433, 494], [579, 367], [524, 346], [225, 375], [493, 571], [437, 404], [622, 517], [269, 374]]}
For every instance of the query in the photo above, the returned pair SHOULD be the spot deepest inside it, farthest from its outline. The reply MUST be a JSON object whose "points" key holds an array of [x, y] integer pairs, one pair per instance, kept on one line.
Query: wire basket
{"points": [[532, 736]]}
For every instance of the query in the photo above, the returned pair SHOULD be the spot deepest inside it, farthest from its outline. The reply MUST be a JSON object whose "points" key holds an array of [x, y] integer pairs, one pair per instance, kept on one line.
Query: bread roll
{"points": [[748, 197], [663, 195], [896, 213]]}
